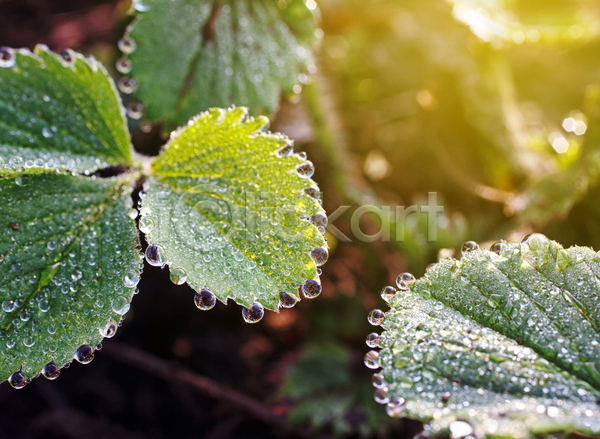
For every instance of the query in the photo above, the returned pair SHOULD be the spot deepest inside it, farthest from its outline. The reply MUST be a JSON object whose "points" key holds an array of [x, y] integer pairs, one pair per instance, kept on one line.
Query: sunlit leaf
{"points": [[69, 263], [505, 340], [59, 112], [190, 55], [228, 207]]}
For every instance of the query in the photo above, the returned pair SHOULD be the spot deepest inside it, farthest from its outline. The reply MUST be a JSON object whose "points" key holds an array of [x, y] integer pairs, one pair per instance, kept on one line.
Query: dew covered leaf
{"points": [[507, 341], [59, 112], [189, 55], [65, 247], [230, 207]]}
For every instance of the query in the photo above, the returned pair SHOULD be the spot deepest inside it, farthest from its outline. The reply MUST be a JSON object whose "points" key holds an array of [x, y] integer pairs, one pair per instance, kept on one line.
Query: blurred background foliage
{"points": [[492, 104]]}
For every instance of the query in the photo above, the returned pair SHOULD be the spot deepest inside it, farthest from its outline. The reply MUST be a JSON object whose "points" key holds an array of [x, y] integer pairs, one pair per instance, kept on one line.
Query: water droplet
{"points": [[146, 225], [85, 354], [460, 429], [16, 267], [66, 56], [155, 255], [319, 255], [469, 246], [285, 150], [378, 381], [124, 65], [132, 213], [51, 245], [131, 279], [539, 247], [135, 110], [286, 300], [253, 314], [29, 341], [8, 306], [404, 280], [15, 161], [22, 180], [140, 6], [562, 259], [127, 85], [312, 191], [25, 315], [178, 276], [380, 396], [395, 408], [536, 241], [126, 45], [387, 293], [120, 305], [305, 169], [7, 58], [47, 132], [499, 248], [371, 360], [17, 379], [311, 288], [376, 317], [44, 305], [109, 329], [51, 371], [373, 340], [319, 219], [205, 299], [408, 278]]}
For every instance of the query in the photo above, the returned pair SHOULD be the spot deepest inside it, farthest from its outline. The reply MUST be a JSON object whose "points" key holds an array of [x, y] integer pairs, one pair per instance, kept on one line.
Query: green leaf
{"points": [[190, 55], [507, 340], [228, 206], [66, 245], [59, 113]]}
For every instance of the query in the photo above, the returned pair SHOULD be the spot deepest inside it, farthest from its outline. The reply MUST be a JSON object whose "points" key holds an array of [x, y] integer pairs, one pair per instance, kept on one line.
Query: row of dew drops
{"points": [[128, 85], [205, 299], [395, 405], [85, 353]]}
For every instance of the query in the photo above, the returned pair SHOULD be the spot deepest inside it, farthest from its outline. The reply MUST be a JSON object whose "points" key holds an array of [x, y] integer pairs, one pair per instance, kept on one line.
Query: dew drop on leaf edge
{"points": [[286, 300], [84, 354], [205, 299], [17, 380], [178, 276], [254, 313], [311, 288], [51, 371], [155, 255]]}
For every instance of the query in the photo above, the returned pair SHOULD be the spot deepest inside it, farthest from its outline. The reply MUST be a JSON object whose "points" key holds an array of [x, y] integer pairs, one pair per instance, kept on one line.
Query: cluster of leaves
{"points": [[506, 340], [210, 210]]}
